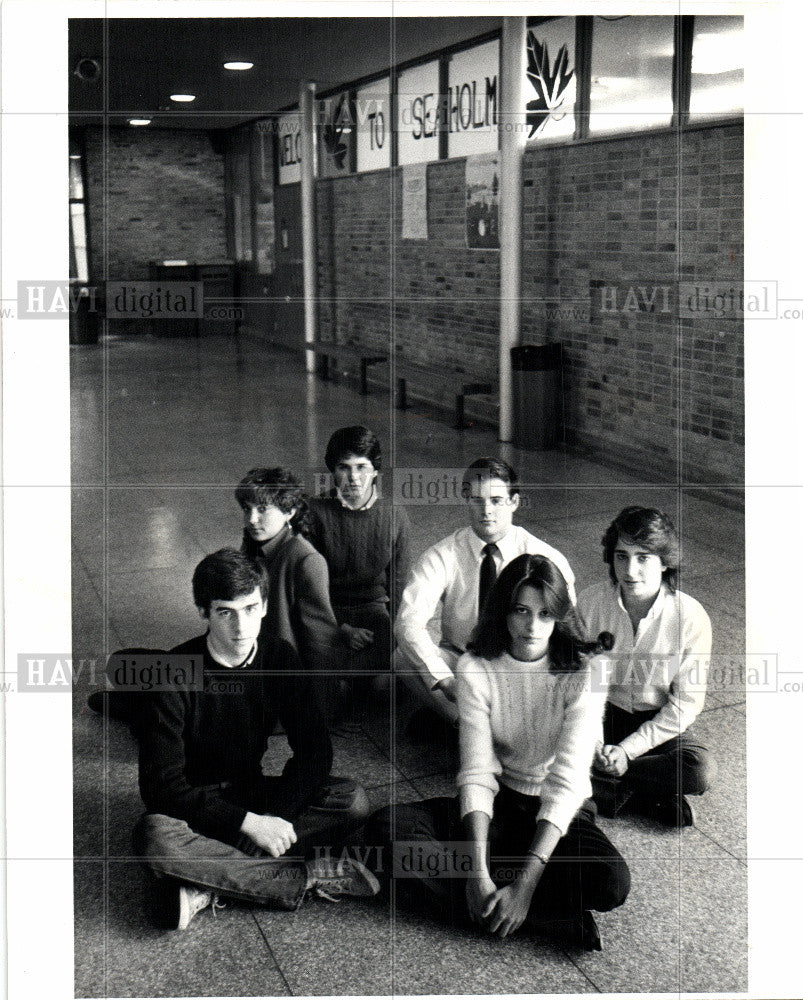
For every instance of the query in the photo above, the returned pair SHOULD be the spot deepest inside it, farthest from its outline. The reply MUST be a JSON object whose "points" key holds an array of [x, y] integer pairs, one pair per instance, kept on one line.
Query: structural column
{"points": [[309, 161], [512, 128]]}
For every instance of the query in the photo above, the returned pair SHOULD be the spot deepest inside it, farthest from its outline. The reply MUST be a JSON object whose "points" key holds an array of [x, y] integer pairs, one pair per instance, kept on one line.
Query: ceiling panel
{"points": [[145, 60]]}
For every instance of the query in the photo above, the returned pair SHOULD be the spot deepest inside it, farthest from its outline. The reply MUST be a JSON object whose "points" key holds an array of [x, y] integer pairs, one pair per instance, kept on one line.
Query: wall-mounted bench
{"points": [[335, 352], [450, 383]]}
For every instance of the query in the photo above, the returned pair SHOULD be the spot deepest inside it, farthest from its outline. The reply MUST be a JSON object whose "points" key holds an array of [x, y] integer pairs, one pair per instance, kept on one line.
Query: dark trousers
{"points": [[585, 871], [376, 658], [680, 766], [241, 870]]}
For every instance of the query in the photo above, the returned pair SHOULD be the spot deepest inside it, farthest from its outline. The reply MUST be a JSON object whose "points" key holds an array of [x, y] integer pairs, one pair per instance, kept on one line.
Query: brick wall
{"points": [[165, 199], [599, 219]]}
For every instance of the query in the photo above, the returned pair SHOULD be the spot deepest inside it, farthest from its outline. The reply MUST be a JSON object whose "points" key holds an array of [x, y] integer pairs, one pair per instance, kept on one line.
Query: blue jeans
{"points": [[169, 847]]}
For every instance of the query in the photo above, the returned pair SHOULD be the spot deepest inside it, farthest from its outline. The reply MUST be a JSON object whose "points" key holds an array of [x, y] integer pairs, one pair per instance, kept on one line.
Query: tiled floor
{"points": [[162, 430]]}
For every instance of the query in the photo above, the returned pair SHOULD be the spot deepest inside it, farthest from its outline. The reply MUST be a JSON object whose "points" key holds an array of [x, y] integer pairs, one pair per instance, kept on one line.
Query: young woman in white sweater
{"points": [[530, 706]]}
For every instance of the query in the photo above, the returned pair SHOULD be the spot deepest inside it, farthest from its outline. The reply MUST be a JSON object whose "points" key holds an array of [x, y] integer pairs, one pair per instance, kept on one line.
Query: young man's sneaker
{"points": [[332, 878], [177, 904]]}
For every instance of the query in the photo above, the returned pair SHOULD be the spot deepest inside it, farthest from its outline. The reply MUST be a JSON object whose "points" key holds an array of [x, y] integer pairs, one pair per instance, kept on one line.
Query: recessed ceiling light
{"points": [[238, 65], [139, 121], [75, 156], [182, 98]]}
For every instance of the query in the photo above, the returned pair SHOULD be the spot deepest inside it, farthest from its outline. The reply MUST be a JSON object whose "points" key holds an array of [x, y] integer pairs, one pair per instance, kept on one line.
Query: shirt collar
{"points": [[655, 609], [368, 503], [238, 666], [506, 544]]}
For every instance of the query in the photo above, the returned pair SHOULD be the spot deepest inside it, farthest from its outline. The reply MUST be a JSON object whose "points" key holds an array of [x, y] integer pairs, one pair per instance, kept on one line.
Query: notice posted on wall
{"points": [[414, 202], [482, 201]]}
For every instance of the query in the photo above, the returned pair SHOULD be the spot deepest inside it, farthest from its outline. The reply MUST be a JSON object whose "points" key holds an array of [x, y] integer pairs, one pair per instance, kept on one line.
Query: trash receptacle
{"points": [[536, 395], [84, 320]]}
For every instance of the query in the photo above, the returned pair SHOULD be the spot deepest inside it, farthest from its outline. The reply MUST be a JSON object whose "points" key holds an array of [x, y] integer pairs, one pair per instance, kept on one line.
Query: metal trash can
{"points": [[537, 370]]}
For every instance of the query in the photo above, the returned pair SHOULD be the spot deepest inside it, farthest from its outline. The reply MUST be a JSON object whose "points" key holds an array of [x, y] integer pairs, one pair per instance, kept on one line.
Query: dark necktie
{"points": [[487, 571]]}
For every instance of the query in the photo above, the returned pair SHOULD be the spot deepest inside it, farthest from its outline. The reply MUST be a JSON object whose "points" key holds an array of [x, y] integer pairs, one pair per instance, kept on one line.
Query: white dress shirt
{"points": [[664, 665], [449, 571]]}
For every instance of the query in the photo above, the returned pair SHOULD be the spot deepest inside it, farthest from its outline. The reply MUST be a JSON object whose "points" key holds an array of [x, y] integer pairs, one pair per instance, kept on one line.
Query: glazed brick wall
{"points": [[165, 200], [641, 386]]}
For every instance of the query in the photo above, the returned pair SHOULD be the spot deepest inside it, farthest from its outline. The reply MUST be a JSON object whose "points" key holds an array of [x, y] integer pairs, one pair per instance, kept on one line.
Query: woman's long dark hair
{"points": [[567, 645]]}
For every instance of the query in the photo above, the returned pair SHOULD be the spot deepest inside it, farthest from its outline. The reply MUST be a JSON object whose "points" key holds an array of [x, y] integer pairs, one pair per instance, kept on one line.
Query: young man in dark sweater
{"points": [[215, 825], [365, 540]]}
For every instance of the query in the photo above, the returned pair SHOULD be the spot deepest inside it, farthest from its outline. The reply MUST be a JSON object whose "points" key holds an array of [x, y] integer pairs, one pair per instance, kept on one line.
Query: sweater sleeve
{"points": [[314, 621], [686, 692], [479, 766], [163, 782], [567, 781]]}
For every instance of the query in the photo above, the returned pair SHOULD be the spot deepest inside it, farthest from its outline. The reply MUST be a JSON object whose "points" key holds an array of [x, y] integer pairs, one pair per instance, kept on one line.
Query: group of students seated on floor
{"points": [[552, 699]]}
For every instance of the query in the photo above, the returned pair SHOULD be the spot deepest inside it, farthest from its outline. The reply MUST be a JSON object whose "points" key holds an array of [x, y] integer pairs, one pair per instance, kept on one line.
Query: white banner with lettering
{"points": [[289, 147], [473, 100], [417, 114], [373, 125]]}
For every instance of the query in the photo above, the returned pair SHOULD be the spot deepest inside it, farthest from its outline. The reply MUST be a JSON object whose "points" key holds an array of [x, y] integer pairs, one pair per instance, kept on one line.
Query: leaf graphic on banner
{"points": [[333, 135], [548, 84]]}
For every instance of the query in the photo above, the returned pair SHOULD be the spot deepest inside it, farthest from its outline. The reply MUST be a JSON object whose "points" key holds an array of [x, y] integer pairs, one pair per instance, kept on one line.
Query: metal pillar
{"points": [[513, 138], [309, 158]]}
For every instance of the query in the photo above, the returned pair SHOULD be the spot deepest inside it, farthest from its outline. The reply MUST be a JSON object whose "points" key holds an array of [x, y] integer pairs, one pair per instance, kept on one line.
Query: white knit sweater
{"points": [[532, 729]]}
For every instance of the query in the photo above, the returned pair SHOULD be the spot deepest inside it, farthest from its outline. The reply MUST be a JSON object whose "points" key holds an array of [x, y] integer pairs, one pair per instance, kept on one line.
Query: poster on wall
{"points": [[262, 186], [482, 201], [265, 229], [237, 225], [414, 202]]}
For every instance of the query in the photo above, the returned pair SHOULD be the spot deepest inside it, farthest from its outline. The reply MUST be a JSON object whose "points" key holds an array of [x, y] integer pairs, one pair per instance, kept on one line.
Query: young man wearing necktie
{"points": [[459, 571]]}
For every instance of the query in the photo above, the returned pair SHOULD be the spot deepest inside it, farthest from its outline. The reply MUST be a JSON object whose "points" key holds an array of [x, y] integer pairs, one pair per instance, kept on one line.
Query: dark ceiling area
{"points": [[144, 60]]}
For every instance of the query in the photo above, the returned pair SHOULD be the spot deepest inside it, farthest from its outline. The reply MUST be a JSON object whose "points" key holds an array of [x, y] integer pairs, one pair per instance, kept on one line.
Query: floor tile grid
{"points": [[597, 978], [255, 918], [571, 958], [104, 600]]}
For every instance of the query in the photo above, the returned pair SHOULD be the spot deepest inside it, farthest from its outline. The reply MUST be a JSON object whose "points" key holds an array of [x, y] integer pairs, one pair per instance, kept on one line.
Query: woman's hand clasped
{"points": [[507, 908], [479, 891], [500, 911]]}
